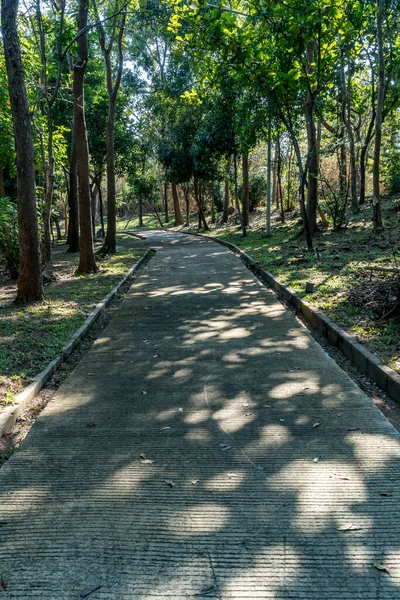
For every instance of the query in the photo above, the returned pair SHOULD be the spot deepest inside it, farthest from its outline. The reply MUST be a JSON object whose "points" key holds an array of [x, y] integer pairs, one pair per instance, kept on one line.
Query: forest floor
{"points": [[355, 298], [32, 336]]}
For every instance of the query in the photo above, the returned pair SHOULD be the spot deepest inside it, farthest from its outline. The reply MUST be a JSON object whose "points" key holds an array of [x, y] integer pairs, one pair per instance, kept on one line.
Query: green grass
{"points": [[149, 222], [33, 335], [340, 266]]}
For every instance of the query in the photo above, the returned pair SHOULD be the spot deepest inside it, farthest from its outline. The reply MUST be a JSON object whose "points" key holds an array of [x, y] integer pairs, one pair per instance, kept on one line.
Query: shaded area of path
{"points": [[200, 355]]}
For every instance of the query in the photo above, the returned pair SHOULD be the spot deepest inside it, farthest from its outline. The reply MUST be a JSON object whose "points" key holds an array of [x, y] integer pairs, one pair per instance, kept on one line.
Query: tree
{"points": [[30, 284], [87, 263], [376, 198], [117, 36]]}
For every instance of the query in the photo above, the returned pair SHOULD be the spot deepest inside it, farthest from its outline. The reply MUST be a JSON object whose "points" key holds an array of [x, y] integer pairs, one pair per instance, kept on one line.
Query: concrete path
{"points": [[204, 373]]}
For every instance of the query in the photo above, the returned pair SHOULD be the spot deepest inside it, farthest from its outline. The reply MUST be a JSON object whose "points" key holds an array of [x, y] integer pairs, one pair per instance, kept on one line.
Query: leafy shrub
{"points": [[335, 201], [218, 199], [257, 191], [9, 235]]}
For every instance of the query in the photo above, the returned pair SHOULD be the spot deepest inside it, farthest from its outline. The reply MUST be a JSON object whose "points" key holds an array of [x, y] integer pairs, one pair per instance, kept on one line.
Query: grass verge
{"points": [[339, 266], [33, 335]]}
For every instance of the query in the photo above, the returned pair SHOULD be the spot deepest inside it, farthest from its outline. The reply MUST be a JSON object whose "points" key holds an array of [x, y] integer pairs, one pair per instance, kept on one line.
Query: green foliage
{"points": [[257, 191], [9, 235]]}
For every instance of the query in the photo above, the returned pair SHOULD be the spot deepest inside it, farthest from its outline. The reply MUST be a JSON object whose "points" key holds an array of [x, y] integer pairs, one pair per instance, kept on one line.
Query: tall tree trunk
{"points": [[343, 165], [177, 208], [302, 178], [73, 230], [245, 192], [312, 188], [101, 211], [87, 263], [212, 205], [376, 197], [49, 98], [278, 159], [110, 242], [94, 192], [346, 117], [237, 205], [187, 203], [2, 190], [140, 212], [166, 201], [30, 284], [225, 215], [312, 154], [118, 25], [275, 195], [268, 202]]}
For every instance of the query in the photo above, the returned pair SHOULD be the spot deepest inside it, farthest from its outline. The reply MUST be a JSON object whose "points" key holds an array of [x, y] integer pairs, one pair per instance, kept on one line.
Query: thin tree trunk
{"points": [[140, 212], [87, 263], [30, 284], [94, 191], [177, 208], [187, 203], [166, 201], [2, 190], [212, 205], [376, 197], [268, 202], [346, 117], [312, 154], [225, 215], [278, 159], [302, 179], [49, 97], [73, 230], [245, 192], [237, 205], [110, 242], [101, 211], [118, 25], [275, 196]]}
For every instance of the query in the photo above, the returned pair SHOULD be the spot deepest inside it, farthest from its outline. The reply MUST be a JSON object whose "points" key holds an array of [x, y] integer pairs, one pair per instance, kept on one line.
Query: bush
{"points": [[218, 199], [257, 191], [9, 244]]}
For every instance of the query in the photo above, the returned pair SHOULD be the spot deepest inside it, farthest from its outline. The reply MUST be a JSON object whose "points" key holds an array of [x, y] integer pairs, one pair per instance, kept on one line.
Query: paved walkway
{"points": [[202, 372]]}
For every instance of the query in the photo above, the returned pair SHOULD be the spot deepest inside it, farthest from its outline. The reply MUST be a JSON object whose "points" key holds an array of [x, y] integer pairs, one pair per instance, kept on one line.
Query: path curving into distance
{"points": [[239, 494]]}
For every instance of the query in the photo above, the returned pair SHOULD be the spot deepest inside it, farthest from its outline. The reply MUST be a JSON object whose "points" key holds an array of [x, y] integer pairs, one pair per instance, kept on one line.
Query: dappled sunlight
{"points": [[274, 567], [207, 517], [373, 452], [197, 416], [325, 494], [206, 443], [199, 434], [270, 436], [358, 555], [225, 482]]}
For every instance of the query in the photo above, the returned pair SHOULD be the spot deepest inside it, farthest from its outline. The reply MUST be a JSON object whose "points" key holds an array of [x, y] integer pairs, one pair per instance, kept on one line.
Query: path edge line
{"points": [[369, 364], [10, 414]]}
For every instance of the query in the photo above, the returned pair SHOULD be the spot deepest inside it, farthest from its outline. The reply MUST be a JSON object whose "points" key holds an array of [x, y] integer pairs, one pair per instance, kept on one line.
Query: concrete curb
{"points": [[10, 414], [387, 379]]}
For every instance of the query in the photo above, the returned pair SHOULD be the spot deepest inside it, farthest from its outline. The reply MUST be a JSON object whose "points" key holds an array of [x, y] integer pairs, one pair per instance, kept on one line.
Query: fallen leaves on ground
{"points": [[380, 567], [145, 461], [89, 591], [349, 527]]}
